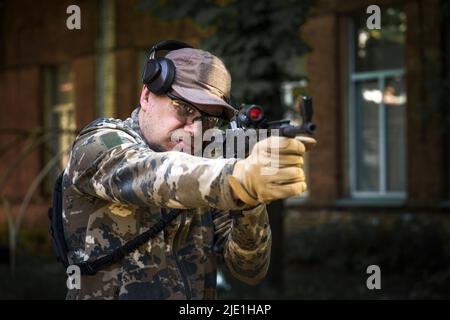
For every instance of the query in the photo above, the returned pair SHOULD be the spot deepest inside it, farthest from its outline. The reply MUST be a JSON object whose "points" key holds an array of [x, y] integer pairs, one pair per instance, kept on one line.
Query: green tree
{"points": [[256, 39]]}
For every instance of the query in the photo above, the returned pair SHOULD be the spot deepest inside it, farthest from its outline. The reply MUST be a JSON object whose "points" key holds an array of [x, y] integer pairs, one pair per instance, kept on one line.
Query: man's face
{"points": [[163, 125]]}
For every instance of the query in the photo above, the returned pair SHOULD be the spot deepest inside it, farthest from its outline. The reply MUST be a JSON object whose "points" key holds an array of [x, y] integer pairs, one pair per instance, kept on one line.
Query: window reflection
{"points": [[393, 94], [367, 154], [394, 99], [380, 49]]}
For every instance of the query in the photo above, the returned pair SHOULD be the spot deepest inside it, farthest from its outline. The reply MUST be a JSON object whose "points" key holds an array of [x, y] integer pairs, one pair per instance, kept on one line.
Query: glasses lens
{"points": [[211, 122], [183, 110], [188, 113]]}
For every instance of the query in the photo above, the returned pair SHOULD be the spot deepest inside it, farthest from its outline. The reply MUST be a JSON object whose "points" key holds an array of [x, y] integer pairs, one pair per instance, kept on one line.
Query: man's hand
{"points": [[272, 171]]}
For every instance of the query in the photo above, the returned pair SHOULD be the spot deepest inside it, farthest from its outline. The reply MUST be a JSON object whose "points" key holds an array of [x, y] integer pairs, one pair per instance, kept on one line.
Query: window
{"points": [[377, 102]]}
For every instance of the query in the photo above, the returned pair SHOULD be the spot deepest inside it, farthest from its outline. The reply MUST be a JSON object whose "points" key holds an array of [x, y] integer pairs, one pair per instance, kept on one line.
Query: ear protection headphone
{"points": [[159, 73]]}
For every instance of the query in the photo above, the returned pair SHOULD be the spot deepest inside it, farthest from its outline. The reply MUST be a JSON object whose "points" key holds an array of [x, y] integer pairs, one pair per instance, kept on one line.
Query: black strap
{"points": [[92, 267], [56, 227]]}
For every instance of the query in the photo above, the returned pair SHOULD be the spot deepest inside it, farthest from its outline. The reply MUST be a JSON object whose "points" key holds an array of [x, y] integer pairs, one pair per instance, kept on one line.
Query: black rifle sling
{"points": [[92, 267]]}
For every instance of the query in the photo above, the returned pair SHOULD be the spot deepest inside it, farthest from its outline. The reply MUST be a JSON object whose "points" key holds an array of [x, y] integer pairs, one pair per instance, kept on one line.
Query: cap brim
{"points": [[200, 98]]}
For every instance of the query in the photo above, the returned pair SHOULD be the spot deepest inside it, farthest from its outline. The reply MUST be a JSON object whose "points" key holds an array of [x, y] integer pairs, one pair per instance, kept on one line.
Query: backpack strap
{"points": [[56, 227]]}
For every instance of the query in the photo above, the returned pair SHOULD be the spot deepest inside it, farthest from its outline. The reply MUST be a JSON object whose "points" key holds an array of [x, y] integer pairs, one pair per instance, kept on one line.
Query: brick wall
{"points": [[20, 100], [424, 135], [36, 37], [322, 68]]}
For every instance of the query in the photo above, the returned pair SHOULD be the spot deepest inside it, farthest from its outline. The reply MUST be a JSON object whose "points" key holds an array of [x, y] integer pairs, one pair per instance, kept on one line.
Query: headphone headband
{"points": [[169, 45]]}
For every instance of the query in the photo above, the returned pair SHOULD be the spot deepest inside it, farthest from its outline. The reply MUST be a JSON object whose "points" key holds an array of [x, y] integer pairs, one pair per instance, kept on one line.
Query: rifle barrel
{"points": [[292, 131]]}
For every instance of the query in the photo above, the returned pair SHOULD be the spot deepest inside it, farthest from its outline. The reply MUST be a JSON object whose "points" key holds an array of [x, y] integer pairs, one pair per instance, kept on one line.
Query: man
{"points": [[123, 177]]}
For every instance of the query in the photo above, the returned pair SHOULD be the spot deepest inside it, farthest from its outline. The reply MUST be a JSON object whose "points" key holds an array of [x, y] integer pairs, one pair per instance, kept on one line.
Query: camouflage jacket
{"points": [[115, 187]]}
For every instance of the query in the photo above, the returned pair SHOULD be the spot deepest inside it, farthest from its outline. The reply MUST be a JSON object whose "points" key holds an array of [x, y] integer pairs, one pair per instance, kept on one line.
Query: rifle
{"points": [[252, 116]]}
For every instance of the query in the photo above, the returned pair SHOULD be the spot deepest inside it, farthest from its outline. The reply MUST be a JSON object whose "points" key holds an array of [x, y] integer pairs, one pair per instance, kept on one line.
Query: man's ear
{"points": [[145, 98]]}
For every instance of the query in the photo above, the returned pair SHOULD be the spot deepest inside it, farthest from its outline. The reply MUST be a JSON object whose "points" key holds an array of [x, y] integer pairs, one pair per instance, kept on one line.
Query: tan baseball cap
{"points": [[202, 79]]}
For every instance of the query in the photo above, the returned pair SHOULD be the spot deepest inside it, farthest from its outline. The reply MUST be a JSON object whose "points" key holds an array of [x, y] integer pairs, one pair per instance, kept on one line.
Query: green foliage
{"points": [[256, 39]]}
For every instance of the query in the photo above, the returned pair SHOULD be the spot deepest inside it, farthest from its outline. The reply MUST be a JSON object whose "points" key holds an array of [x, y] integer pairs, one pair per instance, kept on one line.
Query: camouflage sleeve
{"points": [[245, 242], [111, 165]]}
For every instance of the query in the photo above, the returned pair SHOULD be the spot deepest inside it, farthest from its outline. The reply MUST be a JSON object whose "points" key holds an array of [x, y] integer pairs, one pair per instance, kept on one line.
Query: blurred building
{"points": [[380, 101], [380, 95], [54, 81]]}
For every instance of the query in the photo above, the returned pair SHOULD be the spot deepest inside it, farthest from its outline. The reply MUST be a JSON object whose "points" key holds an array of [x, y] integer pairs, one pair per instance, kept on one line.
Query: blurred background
{"points": [[379, 182]]}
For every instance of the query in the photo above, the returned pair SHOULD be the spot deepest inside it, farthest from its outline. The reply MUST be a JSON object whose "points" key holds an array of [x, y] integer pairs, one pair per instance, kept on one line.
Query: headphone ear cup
{"points": [[159, 73], [162, 81], [151, 71]]}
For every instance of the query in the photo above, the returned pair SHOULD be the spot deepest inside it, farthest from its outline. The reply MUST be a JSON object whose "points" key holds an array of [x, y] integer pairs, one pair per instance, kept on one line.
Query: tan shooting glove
{"points": [[272, 171]]}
